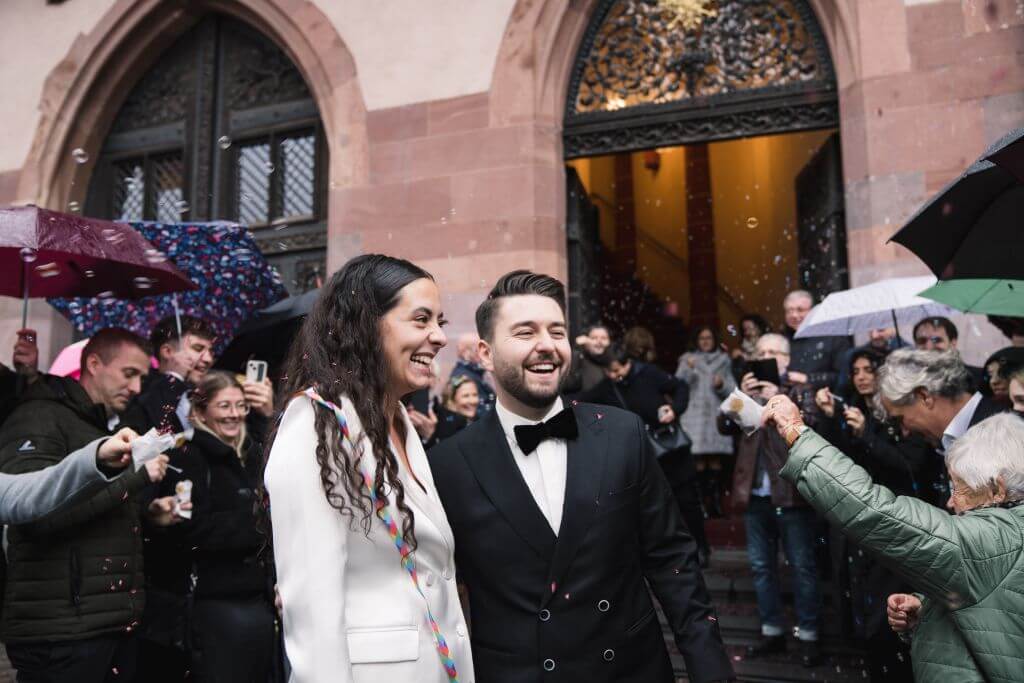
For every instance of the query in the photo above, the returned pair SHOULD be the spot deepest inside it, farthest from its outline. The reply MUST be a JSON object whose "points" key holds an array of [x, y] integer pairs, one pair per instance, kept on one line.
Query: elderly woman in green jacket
{"points": [[967, 623]]}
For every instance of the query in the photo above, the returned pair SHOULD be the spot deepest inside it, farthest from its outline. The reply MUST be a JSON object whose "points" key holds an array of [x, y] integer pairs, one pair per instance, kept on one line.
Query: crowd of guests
{"points": [[126, 579], [111, 575], [839, 390]]}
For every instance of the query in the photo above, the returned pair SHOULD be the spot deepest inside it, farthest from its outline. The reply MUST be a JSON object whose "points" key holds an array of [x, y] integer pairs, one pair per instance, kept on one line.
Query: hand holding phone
{"points": [[766, 370], [255, 371]]}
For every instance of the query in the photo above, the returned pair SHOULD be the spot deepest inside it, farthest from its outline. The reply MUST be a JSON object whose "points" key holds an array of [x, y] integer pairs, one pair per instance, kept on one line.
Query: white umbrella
{"points": [[886, 303]]}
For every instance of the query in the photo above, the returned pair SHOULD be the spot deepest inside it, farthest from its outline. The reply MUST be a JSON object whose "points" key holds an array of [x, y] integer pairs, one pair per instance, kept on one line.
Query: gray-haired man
{"points": [[929, 393]]}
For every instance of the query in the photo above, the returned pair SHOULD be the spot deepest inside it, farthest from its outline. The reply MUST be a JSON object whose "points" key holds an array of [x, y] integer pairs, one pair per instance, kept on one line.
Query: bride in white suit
{"points": [[352, 610]]}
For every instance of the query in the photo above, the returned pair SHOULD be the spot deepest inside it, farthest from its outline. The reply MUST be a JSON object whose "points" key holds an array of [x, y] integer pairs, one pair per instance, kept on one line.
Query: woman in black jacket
{"points": [[451, 416], [905, 466], [232, 618]]}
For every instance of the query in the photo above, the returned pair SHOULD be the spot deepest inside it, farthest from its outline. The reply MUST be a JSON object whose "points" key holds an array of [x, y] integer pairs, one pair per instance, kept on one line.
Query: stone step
{"points": [[786, 668], [731, 585]]}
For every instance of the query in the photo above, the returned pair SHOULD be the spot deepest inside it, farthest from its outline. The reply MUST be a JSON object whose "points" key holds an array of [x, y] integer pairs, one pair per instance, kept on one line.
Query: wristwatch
{"points": [[793, 433]]}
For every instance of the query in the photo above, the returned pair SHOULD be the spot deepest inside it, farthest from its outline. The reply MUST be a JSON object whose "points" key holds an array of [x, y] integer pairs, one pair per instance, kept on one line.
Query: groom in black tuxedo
{"points": [[563, 519]]}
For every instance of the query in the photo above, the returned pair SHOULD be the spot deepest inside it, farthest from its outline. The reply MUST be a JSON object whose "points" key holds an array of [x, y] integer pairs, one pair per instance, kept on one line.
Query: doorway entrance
{"points": [[703, 167]]}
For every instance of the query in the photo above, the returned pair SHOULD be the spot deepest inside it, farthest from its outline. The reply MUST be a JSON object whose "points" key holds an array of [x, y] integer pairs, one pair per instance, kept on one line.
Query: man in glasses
{"points": [[940, 334]]}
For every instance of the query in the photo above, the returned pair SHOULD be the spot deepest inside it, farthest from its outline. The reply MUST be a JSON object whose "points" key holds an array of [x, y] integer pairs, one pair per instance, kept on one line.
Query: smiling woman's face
{"points": [[225, 413], [412, 335], [466, 399]]}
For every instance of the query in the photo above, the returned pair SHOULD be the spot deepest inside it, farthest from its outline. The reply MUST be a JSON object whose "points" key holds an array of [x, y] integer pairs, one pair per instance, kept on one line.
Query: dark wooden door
{"points": [[223, 127], [582, 226], [821, 222]]}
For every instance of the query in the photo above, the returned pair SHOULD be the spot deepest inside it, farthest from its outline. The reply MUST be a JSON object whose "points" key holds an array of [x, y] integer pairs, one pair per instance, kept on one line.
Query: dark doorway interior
{"points": [[704, 233]]}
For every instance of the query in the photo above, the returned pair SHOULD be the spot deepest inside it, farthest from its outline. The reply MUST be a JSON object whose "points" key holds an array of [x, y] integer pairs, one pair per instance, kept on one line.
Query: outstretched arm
{"points": [[29, 496], [918, 541]]}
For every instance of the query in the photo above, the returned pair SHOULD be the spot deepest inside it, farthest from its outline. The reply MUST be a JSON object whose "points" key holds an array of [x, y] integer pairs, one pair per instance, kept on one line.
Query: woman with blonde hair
{"points": [[232, 617], [457, 408]]}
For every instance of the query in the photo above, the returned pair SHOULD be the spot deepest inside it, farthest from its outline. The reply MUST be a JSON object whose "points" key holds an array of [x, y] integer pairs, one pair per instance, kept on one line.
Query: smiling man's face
{"points": [[529, 354]]}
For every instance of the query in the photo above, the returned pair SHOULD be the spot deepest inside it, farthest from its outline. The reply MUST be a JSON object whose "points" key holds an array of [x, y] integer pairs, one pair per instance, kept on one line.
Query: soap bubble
{"points": [[28, 254], [224, 142], [753, 222], [79, 155]]}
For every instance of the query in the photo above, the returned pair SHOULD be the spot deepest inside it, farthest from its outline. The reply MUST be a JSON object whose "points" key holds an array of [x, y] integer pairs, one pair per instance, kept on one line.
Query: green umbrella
{"points": [[994, 297]]}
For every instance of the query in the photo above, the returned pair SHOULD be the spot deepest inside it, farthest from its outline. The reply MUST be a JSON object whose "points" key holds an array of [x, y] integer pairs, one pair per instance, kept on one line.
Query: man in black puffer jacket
{"points": [[74, 594]]}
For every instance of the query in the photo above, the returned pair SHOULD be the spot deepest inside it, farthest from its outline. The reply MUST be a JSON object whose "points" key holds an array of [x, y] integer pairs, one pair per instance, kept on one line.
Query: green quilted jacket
{"points": [[970, 568]]}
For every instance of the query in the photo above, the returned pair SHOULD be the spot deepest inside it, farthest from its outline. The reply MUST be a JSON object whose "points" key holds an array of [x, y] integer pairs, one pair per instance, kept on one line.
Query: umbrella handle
{"points": [[24, 294], [895, 323]]}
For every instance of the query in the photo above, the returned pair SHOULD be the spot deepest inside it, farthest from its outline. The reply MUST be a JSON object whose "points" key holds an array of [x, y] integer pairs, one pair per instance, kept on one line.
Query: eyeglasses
{"points": [[240, 408], [921, 341]]}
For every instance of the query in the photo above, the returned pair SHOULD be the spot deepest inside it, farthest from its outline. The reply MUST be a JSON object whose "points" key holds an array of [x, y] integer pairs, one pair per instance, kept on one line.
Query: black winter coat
{"points": [[155, 406], [223, 533], [76, 573], [585, 374], [8, 391], [907, 468], [822, 359], [449, 423], [645, 389]]}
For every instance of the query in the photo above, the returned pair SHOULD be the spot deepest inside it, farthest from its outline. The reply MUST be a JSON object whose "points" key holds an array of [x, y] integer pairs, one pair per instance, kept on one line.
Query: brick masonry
{"points": [[471, 186]]}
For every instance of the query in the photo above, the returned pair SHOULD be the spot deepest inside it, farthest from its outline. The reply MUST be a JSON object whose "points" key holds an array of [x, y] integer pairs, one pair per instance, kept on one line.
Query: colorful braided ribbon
{"points": [[395, 532]]}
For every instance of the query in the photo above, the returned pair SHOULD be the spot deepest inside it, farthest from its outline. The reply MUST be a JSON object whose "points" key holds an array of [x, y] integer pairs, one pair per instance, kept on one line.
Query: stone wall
{"points": [[444, 126]]}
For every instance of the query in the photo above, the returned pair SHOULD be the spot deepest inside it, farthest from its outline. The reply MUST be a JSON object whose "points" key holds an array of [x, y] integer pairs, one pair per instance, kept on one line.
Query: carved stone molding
{"points": [[300, 242], [751, 67], [704, 126], [633, 54]]}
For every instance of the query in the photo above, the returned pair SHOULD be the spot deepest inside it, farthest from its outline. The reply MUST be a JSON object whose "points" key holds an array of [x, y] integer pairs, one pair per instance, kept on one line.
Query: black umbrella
{"points": [[268, 334], [972, 228]]}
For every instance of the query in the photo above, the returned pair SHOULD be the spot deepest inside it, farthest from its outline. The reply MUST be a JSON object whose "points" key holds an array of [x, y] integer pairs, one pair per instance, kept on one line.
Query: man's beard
{"points": [[512, 378]]}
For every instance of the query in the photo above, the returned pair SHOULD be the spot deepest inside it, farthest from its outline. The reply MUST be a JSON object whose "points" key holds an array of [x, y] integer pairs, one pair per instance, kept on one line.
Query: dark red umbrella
{"points": [[46, 253]]}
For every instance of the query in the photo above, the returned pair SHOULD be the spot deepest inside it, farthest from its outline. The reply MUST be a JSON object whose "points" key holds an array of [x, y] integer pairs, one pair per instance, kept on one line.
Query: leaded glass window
{"points": [[222, 127]]}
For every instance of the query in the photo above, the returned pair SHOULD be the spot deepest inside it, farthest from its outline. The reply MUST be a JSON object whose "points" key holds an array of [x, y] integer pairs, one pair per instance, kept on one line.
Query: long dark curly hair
{"points": [[338, 351]]}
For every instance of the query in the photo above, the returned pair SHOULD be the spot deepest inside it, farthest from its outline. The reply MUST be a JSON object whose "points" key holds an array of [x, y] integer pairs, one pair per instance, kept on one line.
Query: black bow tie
{"points": [[561, 426]]}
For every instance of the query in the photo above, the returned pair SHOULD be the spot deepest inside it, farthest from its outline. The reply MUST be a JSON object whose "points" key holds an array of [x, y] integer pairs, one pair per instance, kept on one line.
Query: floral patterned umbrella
{"points": [[233, 280]]}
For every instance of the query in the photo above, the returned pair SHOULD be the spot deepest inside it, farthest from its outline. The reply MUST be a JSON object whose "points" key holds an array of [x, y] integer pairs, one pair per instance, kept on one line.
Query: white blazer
{"points": [[351, 611]]}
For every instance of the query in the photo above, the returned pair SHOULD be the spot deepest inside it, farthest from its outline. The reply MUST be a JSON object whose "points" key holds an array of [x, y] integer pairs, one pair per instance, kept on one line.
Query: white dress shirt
{"points": [[184, 407], [960, 423], [544, 469]]}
